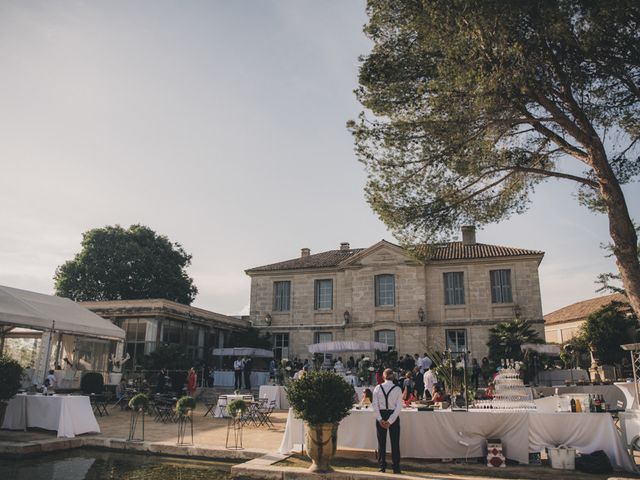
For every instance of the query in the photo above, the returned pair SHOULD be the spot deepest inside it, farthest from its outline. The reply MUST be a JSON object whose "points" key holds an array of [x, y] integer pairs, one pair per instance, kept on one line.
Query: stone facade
{"points": [[418, 318]]}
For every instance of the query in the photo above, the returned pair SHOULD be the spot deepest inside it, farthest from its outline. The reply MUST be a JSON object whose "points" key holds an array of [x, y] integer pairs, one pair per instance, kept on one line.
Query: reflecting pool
{"points": [[99, 464]]}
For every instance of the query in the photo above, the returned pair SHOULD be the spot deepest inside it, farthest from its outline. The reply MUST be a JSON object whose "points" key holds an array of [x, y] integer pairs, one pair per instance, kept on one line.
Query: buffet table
{"points": [[439, 434], [68, 415], [276, 393]]}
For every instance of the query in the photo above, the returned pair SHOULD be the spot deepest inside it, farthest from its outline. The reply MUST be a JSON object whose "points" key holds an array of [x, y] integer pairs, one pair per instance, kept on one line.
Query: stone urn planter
{"points": [[321, 399]]}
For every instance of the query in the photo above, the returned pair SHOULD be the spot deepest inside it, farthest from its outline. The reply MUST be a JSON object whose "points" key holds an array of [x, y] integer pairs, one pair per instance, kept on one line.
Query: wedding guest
{"points": [[426, 362], [161, 384], [430, 380], [408, 389], [237, 371], [339, 366], [438, 394], [486, 370], [351, 364], [50, 380], [379, 377], [272, 369], [247, 366], [192, 379], [475, 373], [367, 398], [387, 404], [418, 379]]}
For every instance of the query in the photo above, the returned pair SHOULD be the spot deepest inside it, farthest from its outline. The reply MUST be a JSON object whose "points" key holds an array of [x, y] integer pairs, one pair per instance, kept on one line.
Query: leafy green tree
{"points": [[119, 264], [170, 356], [250, 338], [607, 329], [476, 102], [506, 338]]}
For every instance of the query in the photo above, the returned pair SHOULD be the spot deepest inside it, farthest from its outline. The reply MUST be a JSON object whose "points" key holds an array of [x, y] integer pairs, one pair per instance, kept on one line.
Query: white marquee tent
{"points": [[60, 320], [21, 308]]}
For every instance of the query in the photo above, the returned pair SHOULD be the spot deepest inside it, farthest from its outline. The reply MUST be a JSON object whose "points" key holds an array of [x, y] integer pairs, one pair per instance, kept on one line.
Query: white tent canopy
{"points": [[22, 308], [347, 346], [242, 352]]}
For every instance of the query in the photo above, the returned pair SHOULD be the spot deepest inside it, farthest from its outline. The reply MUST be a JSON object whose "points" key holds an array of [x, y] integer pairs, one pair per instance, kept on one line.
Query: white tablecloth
{"points": [[437, 434], [68, 415], [226, 378], [586, 432], [429, 434], [223, 401], [277, 393]]}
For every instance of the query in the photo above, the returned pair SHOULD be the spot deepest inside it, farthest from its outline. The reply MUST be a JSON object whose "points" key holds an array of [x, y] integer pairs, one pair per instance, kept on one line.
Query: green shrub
{"points": [[139, 402], [235, 406], [92, 382], [10, 377], [185, 404], [321, 397]]}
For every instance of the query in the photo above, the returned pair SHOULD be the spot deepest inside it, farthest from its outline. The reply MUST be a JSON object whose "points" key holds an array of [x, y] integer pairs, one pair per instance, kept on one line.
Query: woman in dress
{"points": [[191, 382]]}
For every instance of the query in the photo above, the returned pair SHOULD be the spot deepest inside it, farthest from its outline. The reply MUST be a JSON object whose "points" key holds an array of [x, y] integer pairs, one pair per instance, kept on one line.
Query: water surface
{"points": [[98, 465]]}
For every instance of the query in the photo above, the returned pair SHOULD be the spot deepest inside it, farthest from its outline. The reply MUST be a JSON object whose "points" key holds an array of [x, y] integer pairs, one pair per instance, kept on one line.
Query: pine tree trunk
{"points": [[621, 229]]}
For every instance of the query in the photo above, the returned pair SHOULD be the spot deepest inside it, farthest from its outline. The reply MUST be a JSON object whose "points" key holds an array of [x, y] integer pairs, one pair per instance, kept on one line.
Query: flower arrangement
{"points": [[237, 406], [139, 402], [185, 405]]}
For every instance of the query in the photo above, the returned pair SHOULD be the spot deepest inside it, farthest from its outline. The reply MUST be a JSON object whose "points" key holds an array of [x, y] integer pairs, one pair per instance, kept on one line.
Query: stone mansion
{"points": [[382, 293]]}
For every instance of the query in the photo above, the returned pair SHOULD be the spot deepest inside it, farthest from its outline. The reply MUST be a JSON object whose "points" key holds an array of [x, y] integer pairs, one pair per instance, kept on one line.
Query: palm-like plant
{"points": [[506, 338]]}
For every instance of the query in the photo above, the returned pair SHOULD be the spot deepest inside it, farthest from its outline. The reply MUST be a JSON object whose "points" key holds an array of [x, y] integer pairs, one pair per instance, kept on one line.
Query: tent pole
{"points": [[46, 358]]}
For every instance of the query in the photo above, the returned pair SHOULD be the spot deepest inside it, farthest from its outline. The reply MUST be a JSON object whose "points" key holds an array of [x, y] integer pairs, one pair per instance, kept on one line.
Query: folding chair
{"points": [[210, 406], [264, 414]]}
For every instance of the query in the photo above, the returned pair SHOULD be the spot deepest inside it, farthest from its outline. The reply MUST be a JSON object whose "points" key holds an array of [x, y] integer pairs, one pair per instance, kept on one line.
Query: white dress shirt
{"points": [[237, 365], [430, 380], [395, 400]]}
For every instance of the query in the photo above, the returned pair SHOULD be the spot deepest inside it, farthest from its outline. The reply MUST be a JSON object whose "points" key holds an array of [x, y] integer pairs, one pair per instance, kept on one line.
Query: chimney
{"points": [[305, 252], [344, 246], [468, 235]]}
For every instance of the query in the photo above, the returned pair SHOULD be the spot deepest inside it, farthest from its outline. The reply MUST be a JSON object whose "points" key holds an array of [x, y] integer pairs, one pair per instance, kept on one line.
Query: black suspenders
{"points": [[386, 395]]}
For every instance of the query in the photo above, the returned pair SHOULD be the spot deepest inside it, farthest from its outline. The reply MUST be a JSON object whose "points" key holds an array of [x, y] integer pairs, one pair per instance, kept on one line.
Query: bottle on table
{"points": [[573, 405], [598, 403], [578, 406]]}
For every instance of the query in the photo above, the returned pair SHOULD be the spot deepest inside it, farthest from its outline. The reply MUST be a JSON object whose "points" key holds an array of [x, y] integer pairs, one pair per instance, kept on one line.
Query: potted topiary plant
{"points": [[184, 407], [138, 404], [321, 400], [10, 378], [236, 407]]}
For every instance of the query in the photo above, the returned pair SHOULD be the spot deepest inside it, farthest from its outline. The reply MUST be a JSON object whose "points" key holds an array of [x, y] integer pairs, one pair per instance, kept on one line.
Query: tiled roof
{"points": [[443, 252], [581, 310], [332, 258], [458, 251]]}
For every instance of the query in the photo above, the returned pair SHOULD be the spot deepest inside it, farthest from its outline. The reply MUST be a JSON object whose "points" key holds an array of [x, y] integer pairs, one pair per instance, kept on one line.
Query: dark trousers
{"points": [[238, 379], [394, 434], [247, 380]]}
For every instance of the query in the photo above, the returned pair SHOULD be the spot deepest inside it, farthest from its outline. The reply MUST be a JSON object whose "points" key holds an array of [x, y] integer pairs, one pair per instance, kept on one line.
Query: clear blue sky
{"points": [[220, 124]]}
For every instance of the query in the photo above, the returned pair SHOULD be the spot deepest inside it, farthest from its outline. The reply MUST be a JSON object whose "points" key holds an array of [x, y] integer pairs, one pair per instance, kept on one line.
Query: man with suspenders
{"points": [[387, 404]]}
